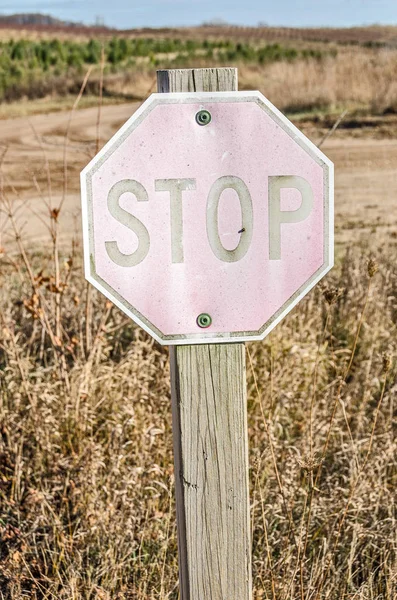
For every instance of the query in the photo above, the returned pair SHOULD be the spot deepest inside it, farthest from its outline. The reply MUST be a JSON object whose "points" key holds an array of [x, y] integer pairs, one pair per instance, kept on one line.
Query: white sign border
{"points": [[118, 138]]}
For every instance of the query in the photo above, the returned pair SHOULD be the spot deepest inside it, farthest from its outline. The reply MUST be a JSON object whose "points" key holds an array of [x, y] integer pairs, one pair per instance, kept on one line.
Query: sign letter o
{"points": [[247, 218]]}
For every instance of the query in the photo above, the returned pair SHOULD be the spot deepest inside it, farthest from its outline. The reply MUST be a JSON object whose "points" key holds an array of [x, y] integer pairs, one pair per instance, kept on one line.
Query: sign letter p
{"points": [[278, 216]]}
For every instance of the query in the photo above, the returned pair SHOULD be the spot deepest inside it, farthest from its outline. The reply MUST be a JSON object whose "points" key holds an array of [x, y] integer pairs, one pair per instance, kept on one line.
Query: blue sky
{"points": [[155, 13]]}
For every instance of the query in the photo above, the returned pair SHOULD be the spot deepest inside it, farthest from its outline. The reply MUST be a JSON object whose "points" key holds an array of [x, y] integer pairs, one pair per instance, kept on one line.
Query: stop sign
{"points": [[207, 217]]}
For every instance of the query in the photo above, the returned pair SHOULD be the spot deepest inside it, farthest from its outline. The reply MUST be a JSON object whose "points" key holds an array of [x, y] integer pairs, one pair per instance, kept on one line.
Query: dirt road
{"points": [[365, 168]]}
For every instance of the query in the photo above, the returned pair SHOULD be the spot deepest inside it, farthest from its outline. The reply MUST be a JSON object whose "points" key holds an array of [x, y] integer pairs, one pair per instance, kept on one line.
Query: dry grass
{"points": [[365, 80], [86, 492], [86, 479]]}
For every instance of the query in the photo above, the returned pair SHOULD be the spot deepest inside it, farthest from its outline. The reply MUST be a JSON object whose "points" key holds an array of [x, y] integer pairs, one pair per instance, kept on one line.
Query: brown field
{"points": [[86, 476], [347, 35]]}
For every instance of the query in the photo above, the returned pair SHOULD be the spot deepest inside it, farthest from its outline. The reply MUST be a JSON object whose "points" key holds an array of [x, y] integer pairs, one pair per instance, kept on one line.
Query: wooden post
{"points": [[210, 437]]}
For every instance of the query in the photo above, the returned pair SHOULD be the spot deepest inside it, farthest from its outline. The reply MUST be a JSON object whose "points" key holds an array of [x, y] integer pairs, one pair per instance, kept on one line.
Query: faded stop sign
{"points": [[207, 217]]}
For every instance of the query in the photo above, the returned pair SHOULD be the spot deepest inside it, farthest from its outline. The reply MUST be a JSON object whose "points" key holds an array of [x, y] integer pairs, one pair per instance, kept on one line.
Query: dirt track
{"points": [[366, 172]]}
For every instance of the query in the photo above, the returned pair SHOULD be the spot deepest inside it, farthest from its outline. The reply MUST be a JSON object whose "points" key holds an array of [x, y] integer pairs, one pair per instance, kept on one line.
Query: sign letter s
{"points": [[125, 218]]}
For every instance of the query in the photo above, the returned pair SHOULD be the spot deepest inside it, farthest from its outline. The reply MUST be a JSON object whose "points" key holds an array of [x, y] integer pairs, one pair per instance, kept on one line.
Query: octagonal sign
{"points": [[207, 217]]}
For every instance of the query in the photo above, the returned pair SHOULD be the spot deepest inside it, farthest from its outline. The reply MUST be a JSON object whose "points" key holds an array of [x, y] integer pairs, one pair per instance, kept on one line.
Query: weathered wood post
{"points": [[210, 437]]}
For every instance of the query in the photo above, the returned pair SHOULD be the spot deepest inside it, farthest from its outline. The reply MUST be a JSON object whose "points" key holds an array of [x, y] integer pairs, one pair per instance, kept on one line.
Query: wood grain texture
{"points": [[211, 471], [198, 80], [210, 437]]}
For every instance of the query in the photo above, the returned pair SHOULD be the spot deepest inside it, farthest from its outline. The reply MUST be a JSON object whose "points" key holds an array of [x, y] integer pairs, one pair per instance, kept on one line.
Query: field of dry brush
{"points": [[87, 508]]}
